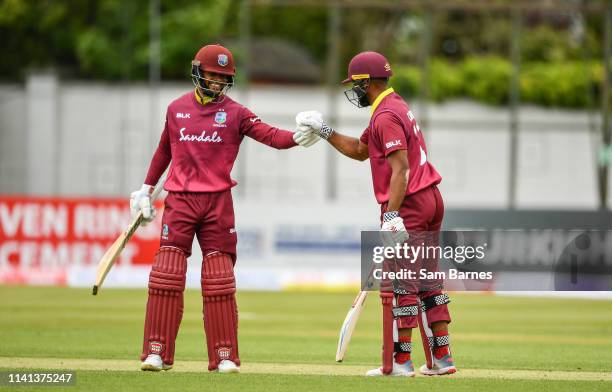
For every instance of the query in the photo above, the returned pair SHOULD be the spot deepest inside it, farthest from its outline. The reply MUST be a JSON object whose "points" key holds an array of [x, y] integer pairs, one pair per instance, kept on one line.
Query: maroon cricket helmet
{"points": [[368, 65], [215, 58]]}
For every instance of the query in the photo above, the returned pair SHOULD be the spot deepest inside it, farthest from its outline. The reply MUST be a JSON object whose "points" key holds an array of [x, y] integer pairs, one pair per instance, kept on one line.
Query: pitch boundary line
{"points": [[332, 369]]}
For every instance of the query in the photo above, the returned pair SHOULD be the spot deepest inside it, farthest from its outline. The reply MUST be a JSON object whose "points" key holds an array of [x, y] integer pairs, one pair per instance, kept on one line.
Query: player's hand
{"points": [[304, 136], [393, 230], [140, 200], [314, 120]]}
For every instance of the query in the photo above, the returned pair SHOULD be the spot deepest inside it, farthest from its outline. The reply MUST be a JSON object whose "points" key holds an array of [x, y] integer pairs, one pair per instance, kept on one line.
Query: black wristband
{"points": [[390, 215]]}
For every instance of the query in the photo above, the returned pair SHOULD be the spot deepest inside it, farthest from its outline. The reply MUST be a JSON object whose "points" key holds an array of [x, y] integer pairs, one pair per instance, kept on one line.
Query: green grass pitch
{"points": [[288, 342]]}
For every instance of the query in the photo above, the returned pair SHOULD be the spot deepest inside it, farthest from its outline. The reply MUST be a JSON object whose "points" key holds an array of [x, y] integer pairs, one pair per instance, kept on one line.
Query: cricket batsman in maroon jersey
{"points": [[200, 142], [405, 186]]}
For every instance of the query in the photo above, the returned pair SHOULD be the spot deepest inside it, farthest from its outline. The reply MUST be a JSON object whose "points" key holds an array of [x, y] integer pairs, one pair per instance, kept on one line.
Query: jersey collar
{"points": [[201, 100], [380, 97]]}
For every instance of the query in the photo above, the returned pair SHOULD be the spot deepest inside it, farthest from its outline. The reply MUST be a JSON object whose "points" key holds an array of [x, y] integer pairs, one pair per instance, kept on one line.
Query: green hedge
{"points": [[487, 79]]}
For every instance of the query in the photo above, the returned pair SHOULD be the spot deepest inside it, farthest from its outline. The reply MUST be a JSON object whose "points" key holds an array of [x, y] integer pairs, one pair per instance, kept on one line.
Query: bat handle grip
{"points": [[158, 188]]}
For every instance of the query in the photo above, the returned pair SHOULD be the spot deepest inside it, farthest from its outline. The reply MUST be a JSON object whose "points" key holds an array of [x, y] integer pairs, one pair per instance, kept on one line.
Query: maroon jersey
{"points": [[202, 141], [393, 127]]}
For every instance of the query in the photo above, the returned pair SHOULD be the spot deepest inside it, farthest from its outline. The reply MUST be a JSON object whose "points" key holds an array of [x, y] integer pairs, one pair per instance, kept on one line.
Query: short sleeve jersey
{"points": [[393, 127]]}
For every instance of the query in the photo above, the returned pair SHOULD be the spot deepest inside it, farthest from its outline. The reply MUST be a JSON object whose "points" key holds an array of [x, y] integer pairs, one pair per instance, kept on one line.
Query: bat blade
{"points": [[348, 326], [108, 260], [112, 254]]}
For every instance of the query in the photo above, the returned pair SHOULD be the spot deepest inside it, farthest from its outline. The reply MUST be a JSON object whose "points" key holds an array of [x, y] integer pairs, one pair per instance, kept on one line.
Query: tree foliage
{"points": [[106, 39], [572, 84], [109, 39]]}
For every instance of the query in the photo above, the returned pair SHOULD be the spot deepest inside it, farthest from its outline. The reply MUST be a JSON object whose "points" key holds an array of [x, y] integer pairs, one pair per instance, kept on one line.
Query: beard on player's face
{"points": [[358, 93], [363, 100], [215, 82], [212, 84]]}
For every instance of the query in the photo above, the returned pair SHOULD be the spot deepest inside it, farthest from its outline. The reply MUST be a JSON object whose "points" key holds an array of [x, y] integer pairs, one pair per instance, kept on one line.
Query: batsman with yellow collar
{"points": [[405, 186]]}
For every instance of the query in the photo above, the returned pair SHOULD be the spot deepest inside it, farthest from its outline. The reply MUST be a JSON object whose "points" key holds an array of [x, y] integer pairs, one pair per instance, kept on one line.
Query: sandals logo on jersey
{"points": [[203, 137], [156, 348], [165, 231], [223, 352], [222, 60], [220, 119]]}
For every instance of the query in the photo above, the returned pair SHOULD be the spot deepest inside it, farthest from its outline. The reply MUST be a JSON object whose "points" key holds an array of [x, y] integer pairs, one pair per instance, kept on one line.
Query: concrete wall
{"points": [[13, 139], [69, 138]]}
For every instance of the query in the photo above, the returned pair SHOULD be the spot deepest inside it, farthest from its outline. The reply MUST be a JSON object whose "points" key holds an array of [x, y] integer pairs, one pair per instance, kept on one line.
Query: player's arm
{"points": [[252, 126], [270, 136], [391, 133], [349, 146], [140, 200], [161, 159], [393, 223], [398, 160]]}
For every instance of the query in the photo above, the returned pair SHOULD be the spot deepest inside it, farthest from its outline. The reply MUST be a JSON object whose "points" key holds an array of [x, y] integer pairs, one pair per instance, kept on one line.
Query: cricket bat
{"points": [[106, 262], [348, 326]]}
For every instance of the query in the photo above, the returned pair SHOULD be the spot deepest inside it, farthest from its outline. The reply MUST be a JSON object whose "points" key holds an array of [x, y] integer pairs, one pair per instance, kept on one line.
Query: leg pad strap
{"points": [[439, 341], [403, 311], [434, 300], [403, 347]]}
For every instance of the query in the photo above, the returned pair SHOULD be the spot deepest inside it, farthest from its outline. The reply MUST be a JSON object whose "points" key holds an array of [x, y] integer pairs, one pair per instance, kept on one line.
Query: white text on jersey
{"points": [[203, 137], [394, 143]]}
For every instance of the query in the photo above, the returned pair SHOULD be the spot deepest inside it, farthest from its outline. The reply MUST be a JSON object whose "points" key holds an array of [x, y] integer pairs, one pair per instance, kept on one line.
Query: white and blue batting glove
{"points": [[393, 230], [314, 120], [140, 201], [304, 136]]}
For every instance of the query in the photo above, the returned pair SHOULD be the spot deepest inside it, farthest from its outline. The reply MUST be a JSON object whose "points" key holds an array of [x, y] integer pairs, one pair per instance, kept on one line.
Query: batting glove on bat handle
{"points": [[140, 201], [392, 221], [393, 228]]}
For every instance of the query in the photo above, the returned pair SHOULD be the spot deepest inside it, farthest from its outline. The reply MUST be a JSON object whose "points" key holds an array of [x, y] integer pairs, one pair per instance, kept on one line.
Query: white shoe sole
{"points": [[381, 374], [149, 367], [153, 368], [424, 370]]}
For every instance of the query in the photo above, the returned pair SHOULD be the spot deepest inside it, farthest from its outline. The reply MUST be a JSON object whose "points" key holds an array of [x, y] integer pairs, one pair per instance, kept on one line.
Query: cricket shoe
{"points": [[154, 363], [442, 366], [227, 366], [405, 369]]}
